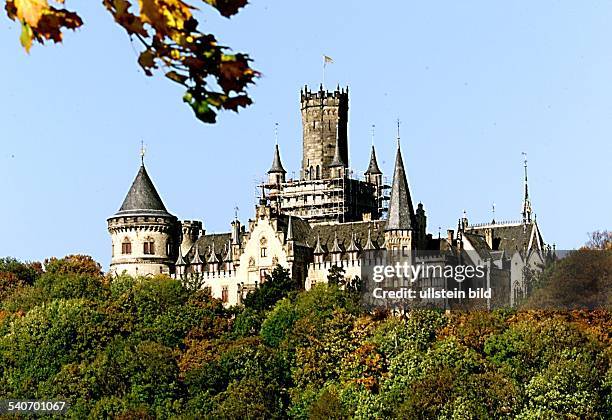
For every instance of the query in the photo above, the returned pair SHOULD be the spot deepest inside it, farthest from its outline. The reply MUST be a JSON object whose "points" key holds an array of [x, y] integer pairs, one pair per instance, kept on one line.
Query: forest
{"points": [[137, 348]]}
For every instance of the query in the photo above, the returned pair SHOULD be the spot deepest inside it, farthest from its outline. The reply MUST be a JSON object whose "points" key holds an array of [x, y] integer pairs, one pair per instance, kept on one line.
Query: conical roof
{"points": [[277, 166], [142, 198], [401, 212], [373, 168]]}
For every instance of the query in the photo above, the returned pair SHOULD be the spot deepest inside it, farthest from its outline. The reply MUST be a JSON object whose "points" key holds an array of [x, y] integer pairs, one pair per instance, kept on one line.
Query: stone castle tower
{"points": [[143, 232], [324, 123]]}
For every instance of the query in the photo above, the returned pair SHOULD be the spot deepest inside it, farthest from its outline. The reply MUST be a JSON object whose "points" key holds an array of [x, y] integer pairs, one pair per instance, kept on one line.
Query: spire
{"points": [[196, 259], [318, 248], [401, 212], [213, 255], [526, 202], [180, 260], [336, 246], [373, 168], [353, 245], [337, 160], [228, 255], [277, 166], [369, 246], [142, 198], [289, 230]]}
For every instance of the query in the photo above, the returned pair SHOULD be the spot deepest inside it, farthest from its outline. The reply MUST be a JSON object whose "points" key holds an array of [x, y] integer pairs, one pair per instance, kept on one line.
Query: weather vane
{"points": [[142, 151]]}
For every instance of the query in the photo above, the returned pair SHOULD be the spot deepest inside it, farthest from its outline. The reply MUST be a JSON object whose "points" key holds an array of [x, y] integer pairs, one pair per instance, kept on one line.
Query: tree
{"points": [[73, 264], [335, 275], [277, 286], [167, 30]]}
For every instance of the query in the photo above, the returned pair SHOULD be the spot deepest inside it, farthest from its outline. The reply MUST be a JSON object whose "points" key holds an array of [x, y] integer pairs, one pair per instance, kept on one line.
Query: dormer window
{"points": [[126, 247], [148, 247]]}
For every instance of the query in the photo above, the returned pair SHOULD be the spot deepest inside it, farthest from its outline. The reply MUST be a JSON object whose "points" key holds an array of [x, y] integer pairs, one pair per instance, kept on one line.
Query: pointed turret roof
{"points": [[336, 246], [228, 255], [337, 160], [277, 166], [369, 244], [142, 198], [318, 248], [196, 259], [373, 168], [353, 245], [289, 230], [180, 260], [212, 258], [401, 212]]}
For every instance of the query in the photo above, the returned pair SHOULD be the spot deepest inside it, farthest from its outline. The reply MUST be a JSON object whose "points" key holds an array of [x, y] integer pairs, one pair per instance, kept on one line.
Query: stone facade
{"points": [[324, 219]]}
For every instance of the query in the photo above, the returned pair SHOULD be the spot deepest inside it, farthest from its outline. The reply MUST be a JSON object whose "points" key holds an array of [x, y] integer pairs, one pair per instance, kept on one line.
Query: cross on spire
{"points": [[526, 201], [276, 133]]}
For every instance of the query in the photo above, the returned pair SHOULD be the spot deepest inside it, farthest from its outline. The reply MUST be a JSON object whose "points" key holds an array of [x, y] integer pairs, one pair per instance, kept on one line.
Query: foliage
{"points": [[152, 348], [167, 30], [278, 285]]}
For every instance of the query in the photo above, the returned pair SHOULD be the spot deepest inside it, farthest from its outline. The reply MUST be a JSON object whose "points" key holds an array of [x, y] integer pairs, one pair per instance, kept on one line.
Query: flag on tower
{"points": [[328, 59]]}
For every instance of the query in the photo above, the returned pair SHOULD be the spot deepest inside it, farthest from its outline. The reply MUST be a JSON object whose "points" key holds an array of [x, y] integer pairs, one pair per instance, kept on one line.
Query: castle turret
{"points": [[324, 117], [401, 223], [276, 174], [144, 235]]}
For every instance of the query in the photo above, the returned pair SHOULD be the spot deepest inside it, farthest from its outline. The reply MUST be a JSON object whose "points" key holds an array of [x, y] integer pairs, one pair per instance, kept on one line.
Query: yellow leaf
{"points": [[30, 11], [26, 36]]}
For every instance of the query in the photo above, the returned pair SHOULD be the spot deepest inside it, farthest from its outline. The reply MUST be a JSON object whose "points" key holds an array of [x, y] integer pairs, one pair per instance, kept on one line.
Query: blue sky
{"points": [[475, 83]]}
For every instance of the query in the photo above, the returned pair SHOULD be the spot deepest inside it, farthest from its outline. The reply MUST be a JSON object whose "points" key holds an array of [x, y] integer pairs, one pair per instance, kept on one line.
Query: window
{"points": [[126, 247], [148, 247], [262, 275], [224, 294], [318, 174], [264, 252]]}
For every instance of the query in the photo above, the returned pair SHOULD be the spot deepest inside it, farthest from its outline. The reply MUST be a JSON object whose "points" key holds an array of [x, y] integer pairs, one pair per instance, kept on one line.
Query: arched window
{"points": [[126, 246], [311, 172], [169, 248], [148, 248], [318, 172]]}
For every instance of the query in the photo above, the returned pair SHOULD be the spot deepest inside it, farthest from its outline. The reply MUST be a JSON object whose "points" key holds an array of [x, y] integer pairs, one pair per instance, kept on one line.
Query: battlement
{"points": [[310, 98]]}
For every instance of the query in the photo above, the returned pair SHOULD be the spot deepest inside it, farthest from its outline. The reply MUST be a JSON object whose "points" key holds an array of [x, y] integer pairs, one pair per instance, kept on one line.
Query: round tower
{"points": [[144, 235]]}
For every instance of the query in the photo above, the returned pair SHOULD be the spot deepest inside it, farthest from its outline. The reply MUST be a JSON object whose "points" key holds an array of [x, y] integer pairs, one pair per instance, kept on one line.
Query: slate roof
{"points": [[277, 166], [344, 233], [510, 237], [204, 246], [401, 212], [142, 198], [373, 168]]}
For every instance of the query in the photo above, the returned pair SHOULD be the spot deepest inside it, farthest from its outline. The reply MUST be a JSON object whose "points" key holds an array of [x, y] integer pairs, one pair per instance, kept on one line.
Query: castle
{"points": [[323, 219]]}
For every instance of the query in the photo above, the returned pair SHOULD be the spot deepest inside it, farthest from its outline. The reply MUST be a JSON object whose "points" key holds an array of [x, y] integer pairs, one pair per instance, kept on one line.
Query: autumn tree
{"points": [[171, 42]]}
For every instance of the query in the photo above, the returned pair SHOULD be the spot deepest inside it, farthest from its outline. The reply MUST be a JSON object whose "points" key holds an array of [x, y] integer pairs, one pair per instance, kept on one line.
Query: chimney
{"points": [[450, 236]]}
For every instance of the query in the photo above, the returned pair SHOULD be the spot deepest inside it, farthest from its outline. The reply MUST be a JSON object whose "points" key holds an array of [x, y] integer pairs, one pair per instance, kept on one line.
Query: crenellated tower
{"points": [[324, 121]]}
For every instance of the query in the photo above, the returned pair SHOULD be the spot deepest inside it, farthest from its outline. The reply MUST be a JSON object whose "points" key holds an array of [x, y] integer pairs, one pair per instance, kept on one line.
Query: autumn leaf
{"points": [[30, 11], [227, 8]]}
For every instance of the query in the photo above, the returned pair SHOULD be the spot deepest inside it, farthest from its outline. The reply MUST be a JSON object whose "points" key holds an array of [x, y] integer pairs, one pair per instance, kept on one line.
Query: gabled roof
{"points": [[142, 198], [373, 168], [401, 212], [277, 166], [196, 259]]}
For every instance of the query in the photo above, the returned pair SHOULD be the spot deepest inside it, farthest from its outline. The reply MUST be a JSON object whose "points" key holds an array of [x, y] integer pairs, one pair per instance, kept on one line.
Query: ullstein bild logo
{"points": [[430, 280]]}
